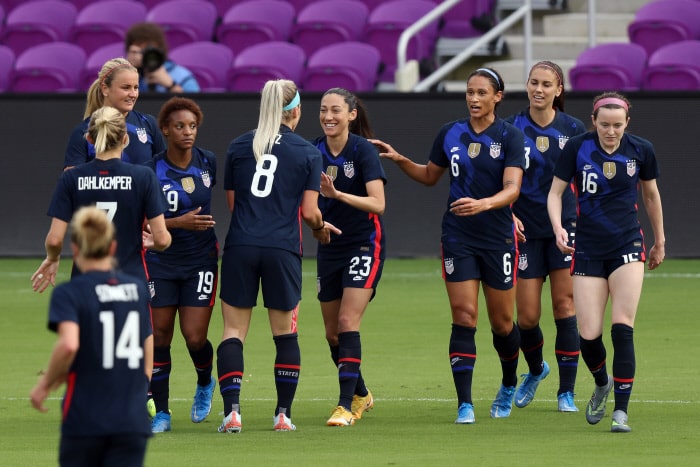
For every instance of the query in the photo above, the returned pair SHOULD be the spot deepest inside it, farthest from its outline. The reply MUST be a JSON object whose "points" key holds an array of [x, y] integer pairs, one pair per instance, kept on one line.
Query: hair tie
{"points": [[121, 65], [610, 101], [495, 76], [544, 65], [293, 103]]}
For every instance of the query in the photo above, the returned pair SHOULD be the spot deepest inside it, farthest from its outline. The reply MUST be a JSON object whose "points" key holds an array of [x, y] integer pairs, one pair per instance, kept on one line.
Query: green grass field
{"points": [[405, 336]]}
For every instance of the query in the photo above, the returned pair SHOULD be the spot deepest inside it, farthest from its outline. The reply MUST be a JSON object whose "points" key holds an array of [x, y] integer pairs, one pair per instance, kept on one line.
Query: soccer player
{"points": [[546, 128], [608, 165], [117, 85], [128, 193], [183, 278], [103, 353], [272, 178], [349, 268], [485, 159]]}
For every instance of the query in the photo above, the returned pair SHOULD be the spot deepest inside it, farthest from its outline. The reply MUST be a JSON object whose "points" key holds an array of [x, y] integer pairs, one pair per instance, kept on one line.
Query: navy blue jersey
{"points": [[476, 162], [107, 385], [145, 140], [268, 195], [185, 190], [357, 164], [543, 146], [129, 193], [606, 189]]}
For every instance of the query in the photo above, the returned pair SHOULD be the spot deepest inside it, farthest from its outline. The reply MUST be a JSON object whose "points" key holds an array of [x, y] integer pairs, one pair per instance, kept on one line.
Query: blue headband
{"points": [[292, 104], [495, 76]]}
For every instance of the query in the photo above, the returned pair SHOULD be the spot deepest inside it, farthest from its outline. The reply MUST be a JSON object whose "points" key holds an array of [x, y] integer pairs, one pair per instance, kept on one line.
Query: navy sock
{"points": [[624, 364], [160, 379], [594, 355], [566, 349], [531, 342], [462, 360], [229, 363], [287, 367], [508, 348], [203, 360], [349, 360], [360, 388]]}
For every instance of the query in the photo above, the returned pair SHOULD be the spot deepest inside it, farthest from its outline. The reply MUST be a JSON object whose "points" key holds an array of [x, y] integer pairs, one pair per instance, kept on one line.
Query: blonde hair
{"points": [[95, 98], [92, 232], [107, 128], [275, 96]]}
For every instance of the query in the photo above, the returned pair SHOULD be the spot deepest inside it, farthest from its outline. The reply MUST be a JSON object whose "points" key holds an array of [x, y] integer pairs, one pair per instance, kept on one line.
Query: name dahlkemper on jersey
{"points": [[117, 182]]}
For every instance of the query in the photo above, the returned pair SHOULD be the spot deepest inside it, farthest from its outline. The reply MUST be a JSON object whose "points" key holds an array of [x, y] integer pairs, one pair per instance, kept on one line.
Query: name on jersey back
{"points": [[117, 182]]}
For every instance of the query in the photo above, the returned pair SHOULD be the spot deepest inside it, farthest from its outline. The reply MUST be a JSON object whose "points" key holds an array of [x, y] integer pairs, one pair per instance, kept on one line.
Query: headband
{"points": [[544, 65], [121, 65], [292, 104], [610, 101], [495, 76]]}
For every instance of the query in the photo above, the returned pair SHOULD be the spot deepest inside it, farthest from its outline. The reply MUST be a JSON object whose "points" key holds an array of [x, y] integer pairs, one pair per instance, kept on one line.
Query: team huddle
{"points": [[136, 193]]}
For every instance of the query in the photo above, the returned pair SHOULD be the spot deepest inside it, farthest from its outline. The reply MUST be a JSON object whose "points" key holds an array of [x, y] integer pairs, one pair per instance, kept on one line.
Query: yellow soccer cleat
{"points": [[341, 417], [361, 404]]}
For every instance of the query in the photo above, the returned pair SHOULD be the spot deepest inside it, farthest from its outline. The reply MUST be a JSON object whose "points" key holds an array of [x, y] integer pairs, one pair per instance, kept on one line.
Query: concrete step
{"points": [[576, 24], [608, 6], [555, 47]]}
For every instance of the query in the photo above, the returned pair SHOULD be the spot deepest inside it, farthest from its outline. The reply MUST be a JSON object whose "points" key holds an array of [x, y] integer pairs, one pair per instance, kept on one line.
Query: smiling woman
{"points": [[486, 159], [117, 85]]}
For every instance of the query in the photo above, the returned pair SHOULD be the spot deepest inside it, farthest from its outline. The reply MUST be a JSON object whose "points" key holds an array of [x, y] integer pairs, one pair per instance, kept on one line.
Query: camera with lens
{"points": [[153, 58]]}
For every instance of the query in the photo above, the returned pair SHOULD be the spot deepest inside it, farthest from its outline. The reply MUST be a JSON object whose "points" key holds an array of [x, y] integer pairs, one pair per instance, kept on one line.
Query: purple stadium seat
{"points": [[385, 25], [609, 67], [324, 23], [674, 67], [457, 21], [208, 61], [262, 62], [350, 65], [51, 67], [105, 22], [301, 4], [7, 62], [223, 6], [37, 22], [184, 21], [96, 59], [254, 22], [662, 22]]}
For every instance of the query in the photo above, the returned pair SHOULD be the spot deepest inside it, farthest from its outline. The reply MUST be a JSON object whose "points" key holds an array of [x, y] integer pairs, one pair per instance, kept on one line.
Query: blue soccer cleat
{"points": [[526, 391], [503, 403], [465, 414], [201, 406]]}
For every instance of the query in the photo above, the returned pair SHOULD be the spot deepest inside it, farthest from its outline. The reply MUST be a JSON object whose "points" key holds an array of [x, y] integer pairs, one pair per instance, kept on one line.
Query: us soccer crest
{"points": [[332, 171], [142, 135], [562, 141], [449, 265], [542, 143], [495, 150], [631, 167], [187, 184], [609, 170], [349, 169], [474, 149], [522, 262], [206, 179]]}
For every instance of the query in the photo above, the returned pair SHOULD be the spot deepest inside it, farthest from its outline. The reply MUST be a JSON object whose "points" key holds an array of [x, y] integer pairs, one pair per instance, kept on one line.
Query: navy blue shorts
{"points": [[604, 267], [107, 451], [195, 287], [357, 269], [495, 268], [539, 256], [244, 268]]}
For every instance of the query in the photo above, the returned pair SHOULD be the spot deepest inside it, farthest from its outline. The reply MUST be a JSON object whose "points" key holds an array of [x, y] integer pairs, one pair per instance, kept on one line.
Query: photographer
{"points": [[146, 50]]}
